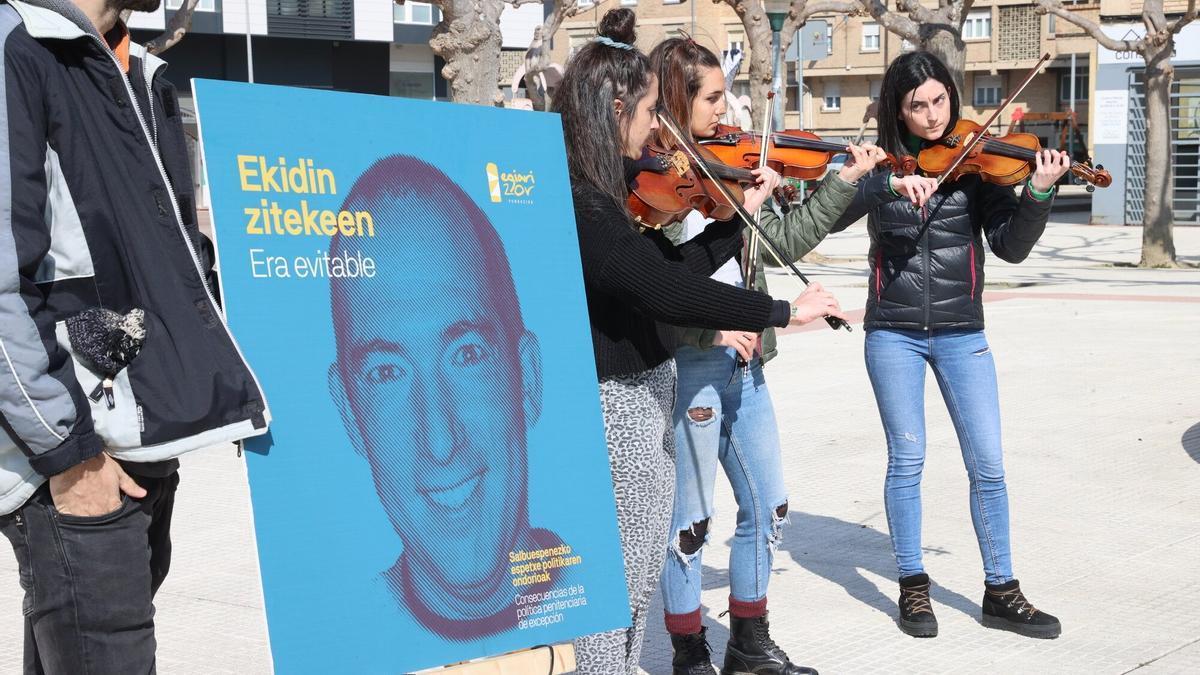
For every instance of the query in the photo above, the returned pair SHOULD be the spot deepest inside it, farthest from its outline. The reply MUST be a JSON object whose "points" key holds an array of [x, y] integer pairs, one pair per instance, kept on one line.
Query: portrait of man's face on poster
{"points": [[438, 383]]}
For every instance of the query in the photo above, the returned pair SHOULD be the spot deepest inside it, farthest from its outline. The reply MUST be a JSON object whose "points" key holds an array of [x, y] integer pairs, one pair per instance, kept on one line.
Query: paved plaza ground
{"points": [[1099, 368]]}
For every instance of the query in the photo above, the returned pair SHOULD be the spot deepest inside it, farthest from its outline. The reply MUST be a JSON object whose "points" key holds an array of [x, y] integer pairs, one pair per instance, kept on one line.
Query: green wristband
{"points": [[892, 189], [1038, 194]]}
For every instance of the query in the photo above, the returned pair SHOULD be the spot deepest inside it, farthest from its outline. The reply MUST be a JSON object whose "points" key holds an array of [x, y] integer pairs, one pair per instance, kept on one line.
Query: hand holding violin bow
{"points": [[815, 303]]}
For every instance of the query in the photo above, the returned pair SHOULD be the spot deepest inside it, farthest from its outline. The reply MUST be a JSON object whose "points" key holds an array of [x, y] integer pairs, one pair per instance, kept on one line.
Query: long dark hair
{"points": [[595, 76], [906, 73], [680, 64]]}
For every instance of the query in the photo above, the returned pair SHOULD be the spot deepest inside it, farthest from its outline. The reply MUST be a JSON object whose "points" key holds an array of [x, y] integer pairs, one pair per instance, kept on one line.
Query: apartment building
{"points": [[331, 44], [1004, 38]]}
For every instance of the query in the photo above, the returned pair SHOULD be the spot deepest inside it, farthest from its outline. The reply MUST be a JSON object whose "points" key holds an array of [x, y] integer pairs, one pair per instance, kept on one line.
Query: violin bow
{"points": [[750, 269], [750, 264], [663, 117], [966, 150]]}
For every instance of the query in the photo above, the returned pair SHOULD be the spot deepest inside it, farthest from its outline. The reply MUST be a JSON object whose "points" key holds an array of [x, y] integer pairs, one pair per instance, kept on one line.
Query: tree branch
{"points": [[802, 11], [180, 23], [1091, 27], [899, 24], [1184, 20], [919, 13]]}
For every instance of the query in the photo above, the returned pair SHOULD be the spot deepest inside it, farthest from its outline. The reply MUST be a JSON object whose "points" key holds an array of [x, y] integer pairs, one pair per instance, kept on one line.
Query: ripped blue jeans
{"points": [[966, 374], [723, 416]]}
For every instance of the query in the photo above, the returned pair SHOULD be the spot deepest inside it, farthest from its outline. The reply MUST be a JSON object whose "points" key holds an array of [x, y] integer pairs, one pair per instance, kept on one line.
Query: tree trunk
{"points": [[468, 39], [758, 37], [950, 48], [1158, 245]]}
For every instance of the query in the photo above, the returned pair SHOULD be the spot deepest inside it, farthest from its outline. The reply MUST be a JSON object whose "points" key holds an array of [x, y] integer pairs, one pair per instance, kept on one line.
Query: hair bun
{"points": [[619, 25]]}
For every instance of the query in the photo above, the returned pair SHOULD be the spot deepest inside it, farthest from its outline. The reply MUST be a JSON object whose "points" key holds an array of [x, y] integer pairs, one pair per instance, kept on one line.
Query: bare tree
{"points": [[468, 40], [1155, 48], [758, 37], [537, 57], [937, 31]]}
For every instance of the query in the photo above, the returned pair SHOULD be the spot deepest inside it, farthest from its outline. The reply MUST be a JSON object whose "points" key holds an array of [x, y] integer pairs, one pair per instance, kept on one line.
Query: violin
{"points": [[700, 163], [793, 153], [1003, 160], [669, 187]]}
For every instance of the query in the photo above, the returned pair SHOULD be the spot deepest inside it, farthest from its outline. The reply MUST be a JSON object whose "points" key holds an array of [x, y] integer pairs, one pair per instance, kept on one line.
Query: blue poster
{"points": [[404, 278]]}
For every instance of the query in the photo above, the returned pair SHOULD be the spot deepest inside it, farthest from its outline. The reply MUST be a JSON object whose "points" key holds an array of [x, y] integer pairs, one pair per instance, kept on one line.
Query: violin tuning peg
{"points": [[1099, 167], [1090, 188]]}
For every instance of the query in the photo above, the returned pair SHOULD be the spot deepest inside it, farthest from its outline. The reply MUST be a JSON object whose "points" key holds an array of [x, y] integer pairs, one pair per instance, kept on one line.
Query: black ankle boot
{"points": [[916, 611], [751, 651], [693, 656], [1006, 608]]}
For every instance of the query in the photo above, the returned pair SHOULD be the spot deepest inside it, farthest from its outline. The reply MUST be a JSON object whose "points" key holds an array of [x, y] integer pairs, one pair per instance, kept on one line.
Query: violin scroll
{"points": [[1094, 177]]}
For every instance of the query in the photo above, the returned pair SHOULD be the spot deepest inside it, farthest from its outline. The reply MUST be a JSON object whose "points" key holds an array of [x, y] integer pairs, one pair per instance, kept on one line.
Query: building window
{"points": [[791, 102], [829, 38], [576, 42], [874, 87], [1064, 86], [202, 6], [628, 3], [870, 37], [736, 38], [987, 90], [978, 25], [421, 13], [411, 85], [317, 19], [832, 100], [671, 2], [586, 4]]}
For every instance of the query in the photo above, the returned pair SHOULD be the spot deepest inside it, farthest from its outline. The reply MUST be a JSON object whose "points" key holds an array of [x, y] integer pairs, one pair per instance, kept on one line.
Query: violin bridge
{"points": [[679, 162]]}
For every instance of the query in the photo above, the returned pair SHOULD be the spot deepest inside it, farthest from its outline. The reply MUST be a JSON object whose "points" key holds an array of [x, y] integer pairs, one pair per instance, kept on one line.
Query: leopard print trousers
{"points": [[641, 456]]}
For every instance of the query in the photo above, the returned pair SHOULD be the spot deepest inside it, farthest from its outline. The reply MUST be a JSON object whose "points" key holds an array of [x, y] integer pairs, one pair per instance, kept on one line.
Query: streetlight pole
{"points": [[249, 47], [777, 11]]}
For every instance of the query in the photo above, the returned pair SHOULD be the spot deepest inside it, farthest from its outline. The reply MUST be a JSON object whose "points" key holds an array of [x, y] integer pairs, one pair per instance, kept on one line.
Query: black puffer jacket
{"points": [[929, 275]]}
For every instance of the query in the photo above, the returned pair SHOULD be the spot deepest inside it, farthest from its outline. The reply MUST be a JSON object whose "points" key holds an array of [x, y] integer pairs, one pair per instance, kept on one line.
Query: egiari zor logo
{"points": [[513, 187]]}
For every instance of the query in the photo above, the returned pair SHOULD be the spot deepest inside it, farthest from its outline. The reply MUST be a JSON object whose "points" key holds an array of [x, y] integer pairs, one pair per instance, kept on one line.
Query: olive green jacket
{"points": [[796, 234]]}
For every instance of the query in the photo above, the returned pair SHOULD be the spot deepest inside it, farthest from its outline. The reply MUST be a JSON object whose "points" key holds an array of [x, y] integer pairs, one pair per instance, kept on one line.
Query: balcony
{"points": [[317, 19]]}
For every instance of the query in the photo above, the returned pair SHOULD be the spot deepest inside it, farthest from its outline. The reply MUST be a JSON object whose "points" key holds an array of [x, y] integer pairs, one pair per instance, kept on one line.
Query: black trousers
{"points": [[89, 582]]}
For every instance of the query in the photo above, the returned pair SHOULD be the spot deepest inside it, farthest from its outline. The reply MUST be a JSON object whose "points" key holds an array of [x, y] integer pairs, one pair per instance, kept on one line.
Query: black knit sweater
{"points": [[634, 280]]}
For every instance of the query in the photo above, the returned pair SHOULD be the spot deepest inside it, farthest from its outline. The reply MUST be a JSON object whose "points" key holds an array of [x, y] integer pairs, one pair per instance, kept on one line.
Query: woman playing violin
{"points": [[608, 98], [925, 309], [723, 415]]}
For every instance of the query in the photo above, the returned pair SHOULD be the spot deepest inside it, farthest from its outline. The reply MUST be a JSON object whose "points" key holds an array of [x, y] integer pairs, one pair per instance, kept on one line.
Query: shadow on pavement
{"points": [[1191, 442], [840, 551]]}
